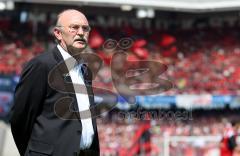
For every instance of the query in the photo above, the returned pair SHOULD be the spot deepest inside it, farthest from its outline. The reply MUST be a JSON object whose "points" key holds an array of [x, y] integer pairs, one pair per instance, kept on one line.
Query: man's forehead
{"points": [[73, 16], [71, 12]]}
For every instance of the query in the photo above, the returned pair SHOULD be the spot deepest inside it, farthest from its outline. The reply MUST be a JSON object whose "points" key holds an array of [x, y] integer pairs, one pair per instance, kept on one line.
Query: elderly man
{"points": [[46, 116]]}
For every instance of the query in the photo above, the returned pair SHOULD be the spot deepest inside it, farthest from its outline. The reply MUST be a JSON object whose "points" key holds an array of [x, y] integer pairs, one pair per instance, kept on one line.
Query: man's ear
{"points": [[57, 33]]}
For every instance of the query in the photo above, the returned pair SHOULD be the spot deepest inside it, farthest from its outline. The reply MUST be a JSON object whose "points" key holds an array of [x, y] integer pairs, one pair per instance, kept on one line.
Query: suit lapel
{"points": [[66, 81], [87, 75], [68, 85]]}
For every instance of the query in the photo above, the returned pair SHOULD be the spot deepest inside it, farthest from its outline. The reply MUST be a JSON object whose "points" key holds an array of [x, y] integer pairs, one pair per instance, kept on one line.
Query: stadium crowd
{"points": [[120, 134], [199, 61]]}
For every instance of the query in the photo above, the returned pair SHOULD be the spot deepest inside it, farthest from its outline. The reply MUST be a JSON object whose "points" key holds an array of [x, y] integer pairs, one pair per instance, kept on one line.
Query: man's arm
{"points": [[28, 99]]}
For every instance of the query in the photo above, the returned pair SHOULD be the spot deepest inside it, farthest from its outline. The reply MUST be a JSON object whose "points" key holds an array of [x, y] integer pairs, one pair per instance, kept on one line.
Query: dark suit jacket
{"points": [[45, 118]]}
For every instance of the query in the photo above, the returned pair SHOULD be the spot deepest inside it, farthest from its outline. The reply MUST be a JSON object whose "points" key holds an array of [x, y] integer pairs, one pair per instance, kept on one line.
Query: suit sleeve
{"points": [[28, 98]]}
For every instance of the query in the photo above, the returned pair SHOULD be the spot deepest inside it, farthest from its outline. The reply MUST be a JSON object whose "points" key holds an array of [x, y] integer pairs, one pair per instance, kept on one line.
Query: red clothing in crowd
{"points": [[224, 150], [224, 145]]}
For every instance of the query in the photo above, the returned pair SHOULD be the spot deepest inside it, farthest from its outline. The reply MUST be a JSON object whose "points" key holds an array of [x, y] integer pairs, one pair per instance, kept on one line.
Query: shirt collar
{"points": [[64, 53], [69, 60]]}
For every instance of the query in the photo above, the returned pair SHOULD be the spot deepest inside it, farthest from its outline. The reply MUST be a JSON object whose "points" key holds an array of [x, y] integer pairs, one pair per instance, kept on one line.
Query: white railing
{"points": [[193, 142]]}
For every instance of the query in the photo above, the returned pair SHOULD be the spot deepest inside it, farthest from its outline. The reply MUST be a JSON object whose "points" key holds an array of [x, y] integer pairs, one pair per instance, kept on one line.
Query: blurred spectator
{"points": [[228, 141]]}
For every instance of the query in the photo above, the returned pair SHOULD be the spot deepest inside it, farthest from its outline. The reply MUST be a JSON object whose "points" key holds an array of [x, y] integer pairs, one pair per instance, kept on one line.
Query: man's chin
{"points": [[80, 46], [74, 50]]}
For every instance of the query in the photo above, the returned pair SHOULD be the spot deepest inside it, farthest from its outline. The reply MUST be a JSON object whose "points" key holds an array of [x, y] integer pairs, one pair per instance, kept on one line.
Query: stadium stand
{"points": [[200, 61]]}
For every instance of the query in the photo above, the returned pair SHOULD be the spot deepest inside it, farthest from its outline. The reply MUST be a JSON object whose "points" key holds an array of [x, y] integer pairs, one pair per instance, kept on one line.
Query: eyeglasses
{"points": [[75, 28]]}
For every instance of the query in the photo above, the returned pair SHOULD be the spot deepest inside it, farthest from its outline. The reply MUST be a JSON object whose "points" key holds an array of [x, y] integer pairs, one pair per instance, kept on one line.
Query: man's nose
{"points": [[80, 31]]}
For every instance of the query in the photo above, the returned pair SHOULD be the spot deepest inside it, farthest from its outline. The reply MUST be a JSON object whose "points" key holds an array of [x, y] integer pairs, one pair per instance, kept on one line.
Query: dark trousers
{"points": [[86, 153]]}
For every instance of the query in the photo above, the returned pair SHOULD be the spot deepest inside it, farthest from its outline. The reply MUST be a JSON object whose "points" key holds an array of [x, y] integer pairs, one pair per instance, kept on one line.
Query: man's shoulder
{"points": [[44, 59]]}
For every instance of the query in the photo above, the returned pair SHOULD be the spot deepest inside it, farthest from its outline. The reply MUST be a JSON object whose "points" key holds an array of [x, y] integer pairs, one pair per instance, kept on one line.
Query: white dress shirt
{"points": [[82, 99]]}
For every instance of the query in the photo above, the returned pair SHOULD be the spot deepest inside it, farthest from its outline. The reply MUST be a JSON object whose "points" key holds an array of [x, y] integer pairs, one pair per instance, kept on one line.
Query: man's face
{"points": [[73, 31]]}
